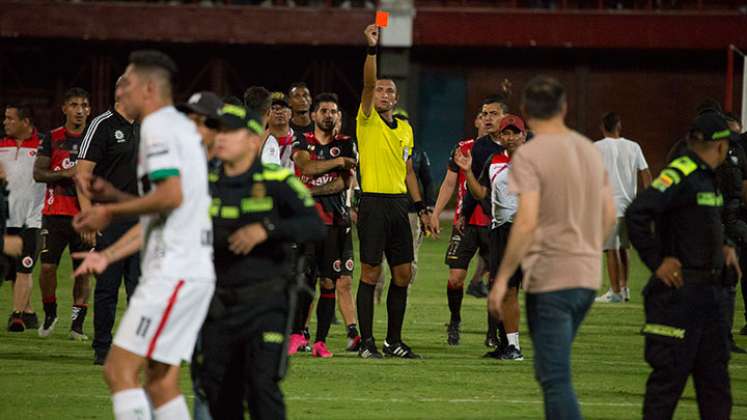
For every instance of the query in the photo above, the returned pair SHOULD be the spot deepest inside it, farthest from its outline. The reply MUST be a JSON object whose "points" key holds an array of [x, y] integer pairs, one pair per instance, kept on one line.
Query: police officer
{"points": [[730, 175], [676, 227], [258, 212]]}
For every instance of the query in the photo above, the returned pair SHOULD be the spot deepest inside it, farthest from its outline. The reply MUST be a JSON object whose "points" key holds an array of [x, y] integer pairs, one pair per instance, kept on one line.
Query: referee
{"points": [[110, 150], [385, 144]]}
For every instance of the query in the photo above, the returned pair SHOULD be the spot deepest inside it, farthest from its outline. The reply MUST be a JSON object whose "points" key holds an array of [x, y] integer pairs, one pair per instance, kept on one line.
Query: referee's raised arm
{"points": [[369, 70]]}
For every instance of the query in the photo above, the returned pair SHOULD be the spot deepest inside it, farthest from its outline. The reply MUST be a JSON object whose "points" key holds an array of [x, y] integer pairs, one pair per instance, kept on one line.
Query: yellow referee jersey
{"points": [[383, 150]]}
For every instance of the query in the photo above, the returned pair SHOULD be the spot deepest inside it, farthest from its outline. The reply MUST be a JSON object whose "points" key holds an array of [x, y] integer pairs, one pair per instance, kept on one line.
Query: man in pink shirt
{"points": [[565, 212]]}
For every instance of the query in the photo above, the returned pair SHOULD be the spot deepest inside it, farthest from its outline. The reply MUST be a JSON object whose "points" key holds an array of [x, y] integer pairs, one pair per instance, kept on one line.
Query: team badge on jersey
{"points": [[27, 262], [349, 265], [337, 266], [334, 152]]}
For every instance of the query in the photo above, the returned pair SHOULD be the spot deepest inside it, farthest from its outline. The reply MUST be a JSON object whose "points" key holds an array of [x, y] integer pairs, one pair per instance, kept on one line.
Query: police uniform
{"points": [[243, 356], [685, 330]]}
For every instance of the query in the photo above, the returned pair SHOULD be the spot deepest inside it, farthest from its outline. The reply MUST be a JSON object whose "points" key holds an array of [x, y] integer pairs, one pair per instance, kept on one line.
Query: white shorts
{"points": [[164, 317], [619, 237]]}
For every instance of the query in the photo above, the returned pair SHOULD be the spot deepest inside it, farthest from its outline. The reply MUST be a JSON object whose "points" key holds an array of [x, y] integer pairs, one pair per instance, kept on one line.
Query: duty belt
{"points": [[230, 296], [712, 276]]}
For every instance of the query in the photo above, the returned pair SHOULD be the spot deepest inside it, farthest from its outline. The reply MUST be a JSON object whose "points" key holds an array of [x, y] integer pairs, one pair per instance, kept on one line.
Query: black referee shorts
{"points": [[498, 243], [60, 235], [463, 246], [32, 244], [384, 228]]}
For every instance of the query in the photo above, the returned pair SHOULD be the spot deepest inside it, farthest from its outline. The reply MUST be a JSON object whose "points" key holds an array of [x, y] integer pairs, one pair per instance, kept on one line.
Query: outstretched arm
{"points": [[369, 70]]}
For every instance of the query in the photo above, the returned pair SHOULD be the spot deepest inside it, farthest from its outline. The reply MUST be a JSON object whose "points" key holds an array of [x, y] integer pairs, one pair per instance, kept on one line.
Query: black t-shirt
{"points": [[331, 207], [302, 130], [112, 143]]}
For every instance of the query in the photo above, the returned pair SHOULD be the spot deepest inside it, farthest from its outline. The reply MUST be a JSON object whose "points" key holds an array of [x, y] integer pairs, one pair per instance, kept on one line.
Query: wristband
{"points": [[420, 207], [372, 50]]}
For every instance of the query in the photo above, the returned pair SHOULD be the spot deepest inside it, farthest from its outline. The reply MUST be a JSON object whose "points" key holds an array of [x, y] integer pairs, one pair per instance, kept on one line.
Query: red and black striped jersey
{"points": [[62, 147]]}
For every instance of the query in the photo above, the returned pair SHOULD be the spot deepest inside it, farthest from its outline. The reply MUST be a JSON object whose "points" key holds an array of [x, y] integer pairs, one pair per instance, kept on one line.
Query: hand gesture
{"points": [[372, 35], [435, 225], [425, 220], [93, 263], [92, 220], [89, 238], [459, 225], [732, 260], [348, 163], [464, 162], [495, 298], [246, 238], [670, 272]]}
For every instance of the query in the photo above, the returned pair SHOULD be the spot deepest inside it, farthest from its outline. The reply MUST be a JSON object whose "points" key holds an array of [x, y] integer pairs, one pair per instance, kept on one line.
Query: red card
{"points": [[382, 19]]}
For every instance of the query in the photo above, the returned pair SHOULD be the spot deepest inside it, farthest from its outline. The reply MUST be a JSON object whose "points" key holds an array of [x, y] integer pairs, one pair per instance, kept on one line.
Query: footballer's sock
{"points": [[78, 317], [131, 404], [364, 302], [492, 326], [396, 304], [325, 311], [455, 297], [502, 335], [50, 306], [513, 340], [352, 331], [175, 409]]}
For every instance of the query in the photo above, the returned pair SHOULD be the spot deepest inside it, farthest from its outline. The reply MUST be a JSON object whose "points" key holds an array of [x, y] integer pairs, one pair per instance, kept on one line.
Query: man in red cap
{"points": [[493, 184]]}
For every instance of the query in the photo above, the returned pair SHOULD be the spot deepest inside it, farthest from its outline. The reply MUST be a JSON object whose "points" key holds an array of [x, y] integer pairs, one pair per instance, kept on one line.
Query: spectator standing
{"points": [[626, 169], [564, 213], [26, 199]]}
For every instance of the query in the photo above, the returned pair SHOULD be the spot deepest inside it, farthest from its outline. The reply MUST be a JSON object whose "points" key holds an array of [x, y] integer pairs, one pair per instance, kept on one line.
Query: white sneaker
{"points": [[76, 336], [609, 297], [48, 326], [626, 294]]}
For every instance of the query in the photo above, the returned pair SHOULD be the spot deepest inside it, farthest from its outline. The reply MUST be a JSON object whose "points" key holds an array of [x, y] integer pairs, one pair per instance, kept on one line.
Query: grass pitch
{"points": [[55, 378]]}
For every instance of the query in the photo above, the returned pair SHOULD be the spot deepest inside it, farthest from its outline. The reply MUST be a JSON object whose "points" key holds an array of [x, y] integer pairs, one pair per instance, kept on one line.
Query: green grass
{"points": [[55, 379]]}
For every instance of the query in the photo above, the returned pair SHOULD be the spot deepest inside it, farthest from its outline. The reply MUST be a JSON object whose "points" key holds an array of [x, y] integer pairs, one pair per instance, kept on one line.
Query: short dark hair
{"points": [[497, 98], [708, 105], [298, 85], [324, 97], [75, 92], [610, 121], [543, 98], [24, 111], [232, 100], [257, 99], [153, 60]]}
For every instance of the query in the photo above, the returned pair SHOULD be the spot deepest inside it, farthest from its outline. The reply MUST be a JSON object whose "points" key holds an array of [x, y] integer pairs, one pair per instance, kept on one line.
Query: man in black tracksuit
{"points": [[676, 227], [258, 212]]}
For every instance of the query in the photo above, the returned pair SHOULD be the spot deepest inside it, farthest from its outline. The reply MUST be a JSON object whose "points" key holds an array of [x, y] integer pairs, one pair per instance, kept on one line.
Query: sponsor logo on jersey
{"points": [[119, 135]]}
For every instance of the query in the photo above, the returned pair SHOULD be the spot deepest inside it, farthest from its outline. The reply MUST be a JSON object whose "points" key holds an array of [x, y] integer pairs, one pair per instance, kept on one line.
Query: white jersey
{"points": [[177, 245], [503, 202], [270, 151], [26, 199], [623, 159], [285, 145]]}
